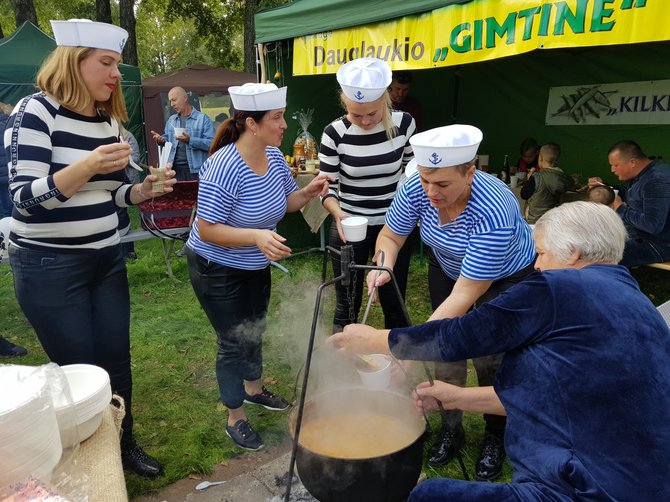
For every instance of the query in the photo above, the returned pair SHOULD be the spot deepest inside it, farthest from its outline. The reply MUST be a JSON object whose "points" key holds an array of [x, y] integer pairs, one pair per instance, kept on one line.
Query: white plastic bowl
{"points": [[355, 228], [91, 394]]}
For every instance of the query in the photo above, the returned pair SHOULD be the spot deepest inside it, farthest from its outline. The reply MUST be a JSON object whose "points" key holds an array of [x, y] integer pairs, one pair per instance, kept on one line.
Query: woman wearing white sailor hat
{"points": [[479, 246], [365, 151], [246, 187], [67, 166]]}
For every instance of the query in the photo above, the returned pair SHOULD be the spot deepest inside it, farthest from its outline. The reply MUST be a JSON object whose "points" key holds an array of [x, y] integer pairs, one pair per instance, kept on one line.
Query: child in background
{"points": [[601, 194], [544, 187], [529, 151]]}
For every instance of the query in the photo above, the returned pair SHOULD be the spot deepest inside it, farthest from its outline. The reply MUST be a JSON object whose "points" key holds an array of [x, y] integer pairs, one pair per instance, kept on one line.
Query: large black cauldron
{"points": [[387, 478]]}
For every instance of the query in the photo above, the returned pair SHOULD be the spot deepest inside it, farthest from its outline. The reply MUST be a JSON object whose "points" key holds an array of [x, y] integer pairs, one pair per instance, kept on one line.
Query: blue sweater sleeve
{"points": [[507, 322]]}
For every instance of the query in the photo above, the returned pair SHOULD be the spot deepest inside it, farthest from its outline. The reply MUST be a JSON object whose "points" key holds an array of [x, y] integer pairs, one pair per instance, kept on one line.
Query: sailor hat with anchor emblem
{"points": [[446, 146], [365, 79]]}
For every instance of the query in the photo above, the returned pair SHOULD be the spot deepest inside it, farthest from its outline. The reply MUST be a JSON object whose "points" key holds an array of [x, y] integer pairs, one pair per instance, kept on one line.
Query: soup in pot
{"points": [[357, 434]]}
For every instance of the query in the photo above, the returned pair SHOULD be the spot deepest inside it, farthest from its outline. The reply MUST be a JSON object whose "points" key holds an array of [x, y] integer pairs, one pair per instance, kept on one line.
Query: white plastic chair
{"points": [[665, 311]]}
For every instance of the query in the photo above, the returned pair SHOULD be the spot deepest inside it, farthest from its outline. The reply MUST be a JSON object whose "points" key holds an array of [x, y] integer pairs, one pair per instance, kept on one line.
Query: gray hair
{"points": [[594, 230]]}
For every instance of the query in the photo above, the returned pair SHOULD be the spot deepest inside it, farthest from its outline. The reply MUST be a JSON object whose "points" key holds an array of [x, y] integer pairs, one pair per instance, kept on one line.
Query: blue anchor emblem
{"points": [[359, 95], [435, 158]]}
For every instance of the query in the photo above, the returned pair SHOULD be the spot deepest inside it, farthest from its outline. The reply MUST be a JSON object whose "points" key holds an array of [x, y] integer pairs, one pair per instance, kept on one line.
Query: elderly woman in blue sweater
{"points": [[585, 377]]}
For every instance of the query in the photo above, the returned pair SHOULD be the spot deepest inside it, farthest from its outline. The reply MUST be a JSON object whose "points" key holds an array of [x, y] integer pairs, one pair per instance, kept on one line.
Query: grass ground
{"points": [[178, 416]]}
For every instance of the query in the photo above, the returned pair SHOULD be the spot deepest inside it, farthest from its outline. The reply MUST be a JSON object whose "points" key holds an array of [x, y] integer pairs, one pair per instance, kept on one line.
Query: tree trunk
{"points": [[24, 10], [2, 33], [127, 20], [103, 12], [250, 8]]}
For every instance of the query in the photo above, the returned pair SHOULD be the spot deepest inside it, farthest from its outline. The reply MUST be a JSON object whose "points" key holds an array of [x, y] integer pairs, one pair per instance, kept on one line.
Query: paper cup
{"points": [[379, 379], [355, 228], [157, 186], [513, 181], [179, 131]]}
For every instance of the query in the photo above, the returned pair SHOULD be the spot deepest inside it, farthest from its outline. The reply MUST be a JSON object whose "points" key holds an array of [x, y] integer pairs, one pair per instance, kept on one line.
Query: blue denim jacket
{"points": [[200, 129]]}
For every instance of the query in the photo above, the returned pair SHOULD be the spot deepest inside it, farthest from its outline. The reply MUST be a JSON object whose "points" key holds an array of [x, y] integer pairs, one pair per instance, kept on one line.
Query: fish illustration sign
{"points": [[600, 104], [482, 30]]}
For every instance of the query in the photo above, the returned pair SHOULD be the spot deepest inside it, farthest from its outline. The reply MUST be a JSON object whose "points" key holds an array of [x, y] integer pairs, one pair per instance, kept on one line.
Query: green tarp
{"points": [[21, 55], [303, 17]]}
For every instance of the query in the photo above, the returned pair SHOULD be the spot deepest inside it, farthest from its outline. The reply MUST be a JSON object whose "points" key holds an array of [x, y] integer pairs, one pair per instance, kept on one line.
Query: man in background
{"points": [[643, 203], [399, 91], [191, 147]]}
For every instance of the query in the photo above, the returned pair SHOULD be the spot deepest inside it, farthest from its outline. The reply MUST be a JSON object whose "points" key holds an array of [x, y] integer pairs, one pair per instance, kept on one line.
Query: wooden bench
{"points": [[662, 266]]}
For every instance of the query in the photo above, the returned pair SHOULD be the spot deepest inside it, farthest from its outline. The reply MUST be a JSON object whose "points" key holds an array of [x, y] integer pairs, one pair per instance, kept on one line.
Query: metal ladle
{"points": [[206, 484]]}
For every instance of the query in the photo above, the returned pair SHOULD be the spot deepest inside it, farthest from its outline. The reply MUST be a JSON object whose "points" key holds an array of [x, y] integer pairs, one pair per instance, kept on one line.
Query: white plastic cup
{"points": [[179, 131], [355, 228], [513, 181], [616, 192], [379, 379], [522, 175]]}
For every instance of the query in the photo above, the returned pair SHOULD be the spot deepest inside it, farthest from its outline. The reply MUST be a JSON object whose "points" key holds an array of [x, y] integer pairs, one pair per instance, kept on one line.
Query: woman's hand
{"points": [[361, 339], [146, 187], [318, 187], [108, 158], [271, 244], [377, 278], [426, 396]]}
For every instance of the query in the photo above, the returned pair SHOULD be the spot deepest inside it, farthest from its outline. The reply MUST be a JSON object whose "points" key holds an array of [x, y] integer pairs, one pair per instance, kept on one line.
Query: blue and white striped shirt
{"points": [[229, 192], [488, 241], [366, 166], [42, 138]]}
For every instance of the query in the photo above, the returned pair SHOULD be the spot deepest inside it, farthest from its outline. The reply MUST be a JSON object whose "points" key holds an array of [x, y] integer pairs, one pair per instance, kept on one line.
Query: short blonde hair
{"points": [[387, 112], [60, 76]]}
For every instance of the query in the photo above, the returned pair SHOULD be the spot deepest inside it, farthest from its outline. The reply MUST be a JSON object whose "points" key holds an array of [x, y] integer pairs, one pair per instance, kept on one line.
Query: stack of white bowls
{"points": [[29, 435], [91, 393]]}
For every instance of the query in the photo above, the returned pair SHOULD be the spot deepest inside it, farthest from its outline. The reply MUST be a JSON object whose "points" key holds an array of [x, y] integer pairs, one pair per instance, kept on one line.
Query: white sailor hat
{"points": [[446, 146], [87, 33], [257, 97], [365, 79]]}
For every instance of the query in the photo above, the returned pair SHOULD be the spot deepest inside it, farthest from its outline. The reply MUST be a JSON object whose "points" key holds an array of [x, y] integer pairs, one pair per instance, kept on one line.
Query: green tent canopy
{"points": [[22, 54], [303, 17]]}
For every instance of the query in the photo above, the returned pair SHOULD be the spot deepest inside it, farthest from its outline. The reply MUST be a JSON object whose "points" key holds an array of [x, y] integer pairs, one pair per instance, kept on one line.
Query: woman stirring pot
{"points": [[480, 246], [585, 377]]}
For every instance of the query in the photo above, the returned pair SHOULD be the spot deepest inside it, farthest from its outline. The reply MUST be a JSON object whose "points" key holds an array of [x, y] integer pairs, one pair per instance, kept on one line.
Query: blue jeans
{"points": [[236, 303], [79, 306], [363, 250]]}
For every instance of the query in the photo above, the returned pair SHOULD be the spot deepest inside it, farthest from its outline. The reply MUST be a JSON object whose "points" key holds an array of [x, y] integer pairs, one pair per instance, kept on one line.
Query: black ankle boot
{"points": [[136, 460], [447, 443], [491, 458]]}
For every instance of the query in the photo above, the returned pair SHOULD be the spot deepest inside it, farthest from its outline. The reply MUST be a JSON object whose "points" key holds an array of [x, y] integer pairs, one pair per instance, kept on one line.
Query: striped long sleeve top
{"points": [[366, 165], [41, 138]]}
